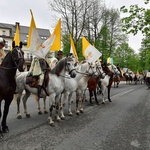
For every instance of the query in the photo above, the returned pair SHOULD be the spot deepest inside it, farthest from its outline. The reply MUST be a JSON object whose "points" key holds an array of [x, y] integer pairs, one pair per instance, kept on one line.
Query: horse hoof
{"points": [[19, 117], [5, 130], [45, 112], [91, 104], [98, 103], [52, 124], [81, 111], [1, 134], [58, 120], [110, 100], [62, 118], [70, 114], [40, 113], [103, 103], [77, 113], [28, 115]]}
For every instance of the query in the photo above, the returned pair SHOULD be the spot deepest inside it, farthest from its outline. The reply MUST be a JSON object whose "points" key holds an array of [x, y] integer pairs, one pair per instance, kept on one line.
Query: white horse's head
{"points": [[53, 62], [86, 68], [114, 69], [70, 66], [99, 69]]}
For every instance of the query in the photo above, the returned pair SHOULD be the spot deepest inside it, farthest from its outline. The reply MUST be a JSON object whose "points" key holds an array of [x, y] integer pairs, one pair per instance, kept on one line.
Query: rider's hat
{"points": [[2, 41], [59, 53]]}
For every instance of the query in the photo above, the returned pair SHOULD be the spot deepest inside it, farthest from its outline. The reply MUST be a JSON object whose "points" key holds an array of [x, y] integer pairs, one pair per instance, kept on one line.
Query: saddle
{"points": [[32, 81]]}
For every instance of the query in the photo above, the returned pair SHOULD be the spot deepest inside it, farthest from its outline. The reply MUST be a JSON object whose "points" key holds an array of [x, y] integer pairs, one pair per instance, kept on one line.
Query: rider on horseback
{"points": [[38, 68], [2, 53]]}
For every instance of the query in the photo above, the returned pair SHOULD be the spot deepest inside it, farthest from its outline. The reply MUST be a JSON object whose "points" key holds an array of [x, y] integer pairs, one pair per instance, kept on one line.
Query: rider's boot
{"points": [[39, 90]]}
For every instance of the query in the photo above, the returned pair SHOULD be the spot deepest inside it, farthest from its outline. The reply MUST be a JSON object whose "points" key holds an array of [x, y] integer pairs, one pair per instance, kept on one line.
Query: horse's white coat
{"points": [[55, 87], [105, 81]]}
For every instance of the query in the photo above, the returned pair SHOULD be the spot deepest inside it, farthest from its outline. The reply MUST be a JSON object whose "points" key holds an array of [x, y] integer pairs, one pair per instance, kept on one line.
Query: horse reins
{"points": [[20, 57]]}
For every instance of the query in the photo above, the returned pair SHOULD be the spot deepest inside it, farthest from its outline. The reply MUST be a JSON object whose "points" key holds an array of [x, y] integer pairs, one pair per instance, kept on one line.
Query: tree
{"points": [[137, 20], [126, 57]]}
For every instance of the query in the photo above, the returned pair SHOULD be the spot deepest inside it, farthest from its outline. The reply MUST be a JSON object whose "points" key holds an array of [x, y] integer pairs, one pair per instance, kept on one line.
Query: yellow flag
{"points": [[32, 26], [122, 71], [57, 42], [17, 36], [85, 44], [137, 73], [108, 60], [73, 49], [89, 52]]}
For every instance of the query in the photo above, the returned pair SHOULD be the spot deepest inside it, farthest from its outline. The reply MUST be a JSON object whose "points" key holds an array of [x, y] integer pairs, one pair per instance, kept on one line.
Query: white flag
{"points": [[35, 46], [89, 52], [45, 47]]}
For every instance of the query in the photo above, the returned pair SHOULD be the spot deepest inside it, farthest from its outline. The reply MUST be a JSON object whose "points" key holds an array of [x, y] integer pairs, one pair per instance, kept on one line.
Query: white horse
{"points": [[71, 84], [141, 78], [54, 88], [82, 86], [108, 80]]}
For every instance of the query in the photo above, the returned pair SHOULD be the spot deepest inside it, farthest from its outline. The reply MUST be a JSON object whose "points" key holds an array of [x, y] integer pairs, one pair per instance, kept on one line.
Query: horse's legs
{"points": [[24, 100], [44, 101], [1, 134], [69, 104], [82, 102], [90, 95], [57, 100], [5, 113], [84, 95], [62, 105], [51, 106], [17, 97], [109, 93], [103, 87], [77, 102], [38, 102], [97, 102]]}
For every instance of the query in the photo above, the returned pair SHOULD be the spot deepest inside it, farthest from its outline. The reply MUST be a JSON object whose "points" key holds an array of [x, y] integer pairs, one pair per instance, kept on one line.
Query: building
{"points": [[7, 31]]}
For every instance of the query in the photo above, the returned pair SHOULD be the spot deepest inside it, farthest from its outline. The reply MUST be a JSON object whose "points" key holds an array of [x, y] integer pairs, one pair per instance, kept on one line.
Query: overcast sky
{"points": [[12, 11]]}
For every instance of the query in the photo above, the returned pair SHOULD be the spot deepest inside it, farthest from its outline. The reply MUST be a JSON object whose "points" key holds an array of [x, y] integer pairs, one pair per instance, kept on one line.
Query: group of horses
{"points": [[133, 78], [65, 78], [68, 77]]}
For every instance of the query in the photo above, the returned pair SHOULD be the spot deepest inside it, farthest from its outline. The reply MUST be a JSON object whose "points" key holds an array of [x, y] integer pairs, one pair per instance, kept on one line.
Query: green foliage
{"points": [[125, 57], [138, 19]]}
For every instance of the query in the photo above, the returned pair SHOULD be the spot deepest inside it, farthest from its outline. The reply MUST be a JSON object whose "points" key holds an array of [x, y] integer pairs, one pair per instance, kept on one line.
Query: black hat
{"points": [[59, 53]]}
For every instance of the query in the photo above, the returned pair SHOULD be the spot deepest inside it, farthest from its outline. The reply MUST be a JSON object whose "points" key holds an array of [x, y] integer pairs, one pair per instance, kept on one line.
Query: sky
{"points": [[19, 11]]}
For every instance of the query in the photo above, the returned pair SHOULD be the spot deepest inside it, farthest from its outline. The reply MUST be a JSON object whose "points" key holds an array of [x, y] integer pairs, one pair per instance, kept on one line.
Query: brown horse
{"points": [[13, 60], [106, 83], [93, 82], [116, 78]]}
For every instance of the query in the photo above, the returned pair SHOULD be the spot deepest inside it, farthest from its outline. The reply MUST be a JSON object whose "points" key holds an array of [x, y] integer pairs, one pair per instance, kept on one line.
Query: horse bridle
{"points": [[114, 70], [101, 73], [67, 68], [20, 56]]}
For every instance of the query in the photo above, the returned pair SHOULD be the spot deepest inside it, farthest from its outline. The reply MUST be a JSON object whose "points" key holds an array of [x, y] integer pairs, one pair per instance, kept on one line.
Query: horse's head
{"points": [[18, 56], [91, 70], [70, 66], [99, 69], [114, 69], [106, 69]]}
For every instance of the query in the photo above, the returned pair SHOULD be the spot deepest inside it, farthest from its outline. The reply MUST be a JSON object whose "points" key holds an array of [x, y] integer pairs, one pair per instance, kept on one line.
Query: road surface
{"points": [[123, 124]]}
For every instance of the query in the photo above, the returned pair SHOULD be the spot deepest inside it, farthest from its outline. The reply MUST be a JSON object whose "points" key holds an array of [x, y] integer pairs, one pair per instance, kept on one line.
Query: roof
{"points": [[43, 33]]}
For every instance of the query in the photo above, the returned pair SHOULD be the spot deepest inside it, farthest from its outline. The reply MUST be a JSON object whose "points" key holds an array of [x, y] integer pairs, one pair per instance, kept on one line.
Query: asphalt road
{"points": [[123, 124]]}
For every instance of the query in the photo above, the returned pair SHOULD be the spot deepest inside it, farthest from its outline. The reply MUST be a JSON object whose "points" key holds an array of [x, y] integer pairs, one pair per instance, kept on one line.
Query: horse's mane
{"points": [[7, 57], [59, 66]]}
